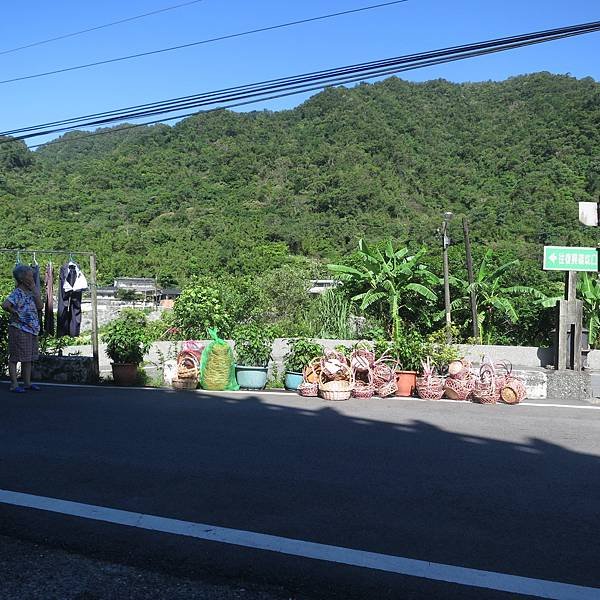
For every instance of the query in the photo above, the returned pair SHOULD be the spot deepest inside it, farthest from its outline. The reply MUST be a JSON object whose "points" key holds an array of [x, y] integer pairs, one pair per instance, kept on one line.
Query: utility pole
{"points": [[471, 279], [445, 245]]}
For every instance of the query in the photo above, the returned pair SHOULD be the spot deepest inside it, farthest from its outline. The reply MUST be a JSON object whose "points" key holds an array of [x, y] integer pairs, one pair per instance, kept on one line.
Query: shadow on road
{"points": [[409, 488]]}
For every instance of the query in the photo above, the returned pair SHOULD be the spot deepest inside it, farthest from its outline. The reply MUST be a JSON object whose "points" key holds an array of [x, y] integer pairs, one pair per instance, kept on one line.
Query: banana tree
{"points": [[493, 297], [386, 277], [589, 288]]}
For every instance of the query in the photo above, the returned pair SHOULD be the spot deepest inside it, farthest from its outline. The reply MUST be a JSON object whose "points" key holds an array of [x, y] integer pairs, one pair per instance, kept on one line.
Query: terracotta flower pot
{"points": [[406, 382], [124, 373]]}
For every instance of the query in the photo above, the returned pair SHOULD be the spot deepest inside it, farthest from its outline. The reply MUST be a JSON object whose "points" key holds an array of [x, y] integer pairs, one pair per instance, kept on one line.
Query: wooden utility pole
{"points": [[472, 294]]}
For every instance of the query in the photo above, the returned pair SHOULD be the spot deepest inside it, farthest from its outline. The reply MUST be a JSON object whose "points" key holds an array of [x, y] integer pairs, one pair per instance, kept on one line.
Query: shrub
{"points": [[127, 338], [253, 345], [200, 307], [302, 352]]}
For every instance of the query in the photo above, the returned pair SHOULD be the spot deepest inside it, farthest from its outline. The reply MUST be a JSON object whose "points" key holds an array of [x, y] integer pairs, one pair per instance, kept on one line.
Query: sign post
{"points": [[570, 310]]}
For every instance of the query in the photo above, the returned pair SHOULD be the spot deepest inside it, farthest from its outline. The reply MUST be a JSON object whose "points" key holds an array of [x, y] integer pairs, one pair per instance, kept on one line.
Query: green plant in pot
{"points": [[127, 341], [409, 349], [253, 345], [301, 353]]}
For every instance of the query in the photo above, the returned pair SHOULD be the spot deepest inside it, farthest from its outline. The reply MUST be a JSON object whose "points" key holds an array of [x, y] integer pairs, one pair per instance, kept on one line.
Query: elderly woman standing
{"points": [[23, 304]]}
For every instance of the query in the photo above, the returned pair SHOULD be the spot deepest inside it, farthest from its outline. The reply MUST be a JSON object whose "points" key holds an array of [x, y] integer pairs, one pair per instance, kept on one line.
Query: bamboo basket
{"points": [[459, 389], [336, 389], [362, 359], [387, 389], [312, 372], [187, 372], [308, 390], [460, 369], [513, 391], [364, 389], [430, 388]]}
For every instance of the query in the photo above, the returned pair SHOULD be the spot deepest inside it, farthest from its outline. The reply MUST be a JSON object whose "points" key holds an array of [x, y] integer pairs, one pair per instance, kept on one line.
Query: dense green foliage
{"points": [[126, 338], [274, 196]]}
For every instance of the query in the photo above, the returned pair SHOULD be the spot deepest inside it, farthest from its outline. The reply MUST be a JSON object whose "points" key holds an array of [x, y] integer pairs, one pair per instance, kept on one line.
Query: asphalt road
{"points": [[508, 490]]}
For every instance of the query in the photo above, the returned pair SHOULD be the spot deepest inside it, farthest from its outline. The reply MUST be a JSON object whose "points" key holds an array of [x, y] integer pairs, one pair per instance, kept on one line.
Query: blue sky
{"points": [[416, 25]]}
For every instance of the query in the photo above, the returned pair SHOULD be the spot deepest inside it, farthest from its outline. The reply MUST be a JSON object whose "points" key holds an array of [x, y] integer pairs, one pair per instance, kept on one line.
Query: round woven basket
{"points": [[308, 390], [387, 389], [486, 392], [364, 389], [459, 389], [514, 391], [459, 369], [184, 384], [362, 359], [430, 388], [312, 371], [337, 389]]}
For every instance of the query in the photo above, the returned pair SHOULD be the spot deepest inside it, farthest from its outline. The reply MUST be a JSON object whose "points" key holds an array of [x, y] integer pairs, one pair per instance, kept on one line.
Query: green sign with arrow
{"points": [[563, 258]]}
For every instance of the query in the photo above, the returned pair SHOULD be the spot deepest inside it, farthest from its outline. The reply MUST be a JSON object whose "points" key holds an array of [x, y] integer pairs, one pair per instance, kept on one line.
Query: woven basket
{"points": [[460, 369], [513, 391], [312, 371], [362, 359], [337, 389], [430, 388], [184, 384], [459, 389], [387, 389], [308, 390], [364, 389]]}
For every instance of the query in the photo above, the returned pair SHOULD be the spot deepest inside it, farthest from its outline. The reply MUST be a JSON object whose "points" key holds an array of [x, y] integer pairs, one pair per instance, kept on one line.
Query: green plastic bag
{"points": [[217, 366]]}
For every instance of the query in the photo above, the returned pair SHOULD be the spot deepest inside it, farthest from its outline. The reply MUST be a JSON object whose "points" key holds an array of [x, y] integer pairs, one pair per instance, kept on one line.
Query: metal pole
{"points": [[445, 244], [471, 279], [93, 290]]}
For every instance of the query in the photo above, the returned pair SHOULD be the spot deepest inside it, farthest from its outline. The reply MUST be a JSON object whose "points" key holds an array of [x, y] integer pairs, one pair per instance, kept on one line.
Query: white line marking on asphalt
{"points": [[336, 554], [284, 394]]}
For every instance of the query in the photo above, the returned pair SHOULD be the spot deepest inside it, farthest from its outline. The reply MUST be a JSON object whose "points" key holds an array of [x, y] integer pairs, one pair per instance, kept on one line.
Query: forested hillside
{"points": [[239, 193]]}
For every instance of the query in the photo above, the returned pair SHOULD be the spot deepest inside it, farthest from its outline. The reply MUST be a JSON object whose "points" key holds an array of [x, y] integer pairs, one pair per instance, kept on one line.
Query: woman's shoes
{"points": [[17, 390], [21, 389]]}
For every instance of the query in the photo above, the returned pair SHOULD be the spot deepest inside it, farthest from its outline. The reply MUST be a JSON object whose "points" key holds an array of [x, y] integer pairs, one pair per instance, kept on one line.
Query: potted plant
{"points": [[408, 348], [301, 353], [127, 341], [253, 345]]}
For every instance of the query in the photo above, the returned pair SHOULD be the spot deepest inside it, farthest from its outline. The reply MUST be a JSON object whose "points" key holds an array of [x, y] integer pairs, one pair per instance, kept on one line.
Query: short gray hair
{"points": [[19, 272]]}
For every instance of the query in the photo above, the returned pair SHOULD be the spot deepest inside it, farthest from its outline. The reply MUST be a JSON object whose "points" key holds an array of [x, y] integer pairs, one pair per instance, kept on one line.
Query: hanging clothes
{"points": [[49, 300], [35, 267], [72, 282]]}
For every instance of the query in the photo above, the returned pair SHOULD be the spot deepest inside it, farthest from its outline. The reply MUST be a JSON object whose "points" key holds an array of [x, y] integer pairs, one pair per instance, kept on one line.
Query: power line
{"points": [[200, 42], [382, 69], [75, 33], [307, 82]]}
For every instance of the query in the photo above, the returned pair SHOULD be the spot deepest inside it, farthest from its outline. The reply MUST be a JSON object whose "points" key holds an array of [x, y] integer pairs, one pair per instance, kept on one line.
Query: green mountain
{"points": [[241, 192]]}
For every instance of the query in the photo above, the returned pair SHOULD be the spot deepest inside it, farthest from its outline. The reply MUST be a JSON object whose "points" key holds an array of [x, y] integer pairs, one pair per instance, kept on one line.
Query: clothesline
{"points": [[92, 288]]}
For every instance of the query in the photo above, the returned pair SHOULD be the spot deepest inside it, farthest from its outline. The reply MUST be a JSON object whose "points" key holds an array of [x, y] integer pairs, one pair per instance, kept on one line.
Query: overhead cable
{"points": [[200, 42], [307, 82], [75, 33]]}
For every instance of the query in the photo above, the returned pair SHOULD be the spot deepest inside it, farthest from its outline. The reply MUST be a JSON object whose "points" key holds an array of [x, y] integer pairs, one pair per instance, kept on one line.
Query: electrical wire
{"points": [[75, 33], [310, 81], [200, 42]]}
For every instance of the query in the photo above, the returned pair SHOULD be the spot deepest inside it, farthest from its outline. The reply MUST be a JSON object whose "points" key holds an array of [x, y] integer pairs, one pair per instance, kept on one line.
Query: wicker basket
{"points": [[337, 389], [513, 391], [460, 369], [387, 389], [430, 388], [364, 389], [308, 390], [185, 384], [362, 359], [459, 389], [312, 371]]}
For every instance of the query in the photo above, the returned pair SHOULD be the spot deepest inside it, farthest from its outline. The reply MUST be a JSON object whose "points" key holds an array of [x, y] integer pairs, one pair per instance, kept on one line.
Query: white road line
{"points": [[336, 554], [284, 394]]}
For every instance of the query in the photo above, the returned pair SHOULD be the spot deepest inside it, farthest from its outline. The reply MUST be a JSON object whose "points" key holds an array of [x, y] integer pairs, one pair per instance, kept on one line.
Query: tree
{"points": [[589, 288], [494, 298], [388, 277]]}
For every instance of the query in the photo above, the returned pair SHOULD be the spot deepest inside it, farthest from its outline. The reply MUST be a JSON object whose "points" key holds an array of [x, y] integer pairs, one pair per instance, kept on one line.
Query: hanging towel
{"points": [[49, 300]]}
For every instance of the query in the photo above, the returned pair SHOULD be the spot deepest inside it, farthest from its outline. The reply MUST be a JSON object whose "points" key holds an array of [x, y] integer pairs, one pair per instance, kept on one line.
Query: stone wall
{"points": [[64, 369]]}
